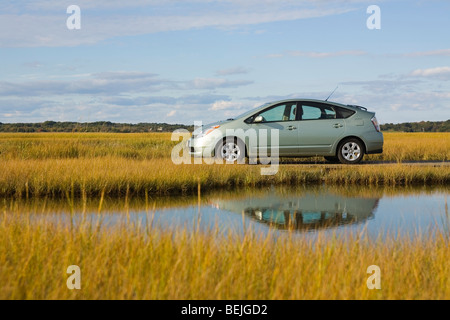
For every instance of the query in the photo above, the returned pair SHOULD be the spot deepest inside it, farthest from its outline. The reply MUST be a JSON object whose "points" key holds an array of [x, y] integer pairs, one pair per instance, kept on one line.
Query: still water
{"points": [[307, 210]]}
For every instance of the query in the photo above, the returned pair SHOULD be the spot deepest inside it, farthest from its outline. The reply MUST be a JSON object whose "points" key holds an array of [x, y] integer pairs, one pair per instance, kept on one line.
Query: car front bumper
{"points": [[200, 147]]}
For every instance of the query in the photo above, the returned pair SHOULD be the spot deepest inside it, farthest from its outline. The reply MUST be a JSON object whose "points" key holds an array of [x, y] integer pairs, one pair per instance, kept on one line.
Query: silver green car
{"points": [[303, 211], [304, 127]]}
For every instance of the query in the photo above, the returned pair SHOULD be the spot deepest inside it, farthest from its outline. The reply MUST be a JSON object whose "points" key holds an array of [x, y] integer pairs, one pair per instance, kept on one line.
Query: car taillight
{"points": [[375, 124]]}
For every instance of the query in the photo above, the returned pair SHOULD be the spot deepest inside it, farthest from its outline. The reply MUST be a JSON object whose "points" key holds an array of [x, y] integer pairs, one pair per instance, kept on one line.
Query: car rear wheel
{"points": [[351, 151], [231, 150]]}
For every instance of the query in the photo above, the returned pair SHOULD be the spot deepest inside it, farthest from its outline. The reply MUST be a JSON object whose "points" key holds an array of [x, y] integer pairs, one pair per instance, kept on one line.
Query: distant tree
{"points": [[423, 126], [107, 126]]}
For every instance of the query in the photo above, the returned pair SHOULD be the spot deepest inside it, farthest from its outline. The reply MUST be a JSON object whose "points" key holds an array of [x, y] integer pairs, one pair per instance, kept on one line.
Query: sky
{"points": [[180, 61]]}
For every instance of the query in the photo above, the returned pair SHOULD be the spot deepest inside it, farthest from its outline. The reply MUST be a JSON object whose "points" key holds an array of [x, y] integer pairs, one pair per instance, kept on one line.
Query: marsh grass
{"points": [[114, 176], [139, 262], [398, 147], [84, 145], [415, 146], [134, 261], [114, 165]]}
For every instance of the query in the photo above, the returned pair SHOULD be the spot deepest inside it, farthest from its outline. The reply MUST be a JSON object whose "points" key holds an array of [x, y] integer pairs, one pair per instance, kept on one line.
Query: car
{"points": [[304, 211], [306, 127]]}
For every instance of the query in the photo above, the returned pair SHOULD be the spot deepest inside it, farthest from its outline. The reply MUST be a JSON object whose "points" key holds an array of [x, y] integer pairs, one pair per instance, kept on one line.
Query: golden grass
{"points": [[397, 147], [114, 177], [139, 262], [133, 262], [84, 145], [416, 146], [61, 163]]}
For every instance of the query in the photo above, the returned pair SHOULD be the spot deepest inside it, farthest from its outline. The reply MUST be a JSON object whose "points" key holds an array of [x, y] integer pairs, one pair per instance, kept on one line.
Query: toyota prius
{"points": [[304, 128]]}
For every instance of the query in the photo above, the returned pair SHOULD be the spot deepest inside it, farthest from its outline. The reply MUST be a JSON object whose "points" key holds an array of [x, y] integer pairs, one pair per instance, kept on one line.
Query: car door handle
{"points": [[338, 125], [291, 128]]}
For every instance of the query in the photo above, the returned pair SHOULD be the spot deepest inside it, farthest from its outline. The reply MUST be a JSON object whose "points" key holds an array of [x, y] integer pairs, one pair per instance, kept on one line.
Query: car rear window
{"points": [[343, 113]]}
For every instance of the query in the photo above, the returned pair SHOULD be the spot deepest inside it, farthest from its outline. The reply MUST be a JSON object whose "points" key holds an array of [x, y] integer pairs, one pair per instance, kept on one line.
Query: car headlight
{"points": [[207, 131]]}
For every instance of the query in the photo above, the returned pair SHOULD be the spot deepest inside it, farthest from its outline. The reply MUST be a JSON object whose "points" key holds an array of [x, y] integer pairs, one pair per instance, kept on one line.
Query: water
{"points": [[297, 211]]}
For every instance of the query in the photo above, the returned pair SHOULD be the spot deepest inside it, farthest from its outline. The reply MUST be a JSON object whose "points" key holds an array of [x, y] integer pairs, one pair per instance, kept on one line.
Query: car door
{"points": [[319, 128], [281, 117]]}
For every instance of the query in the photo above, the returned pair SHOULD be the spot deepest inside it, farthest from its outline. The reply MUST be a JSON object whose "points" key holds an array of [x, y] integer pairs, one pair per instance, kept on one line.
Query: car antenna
{"points": [[331, 93]]}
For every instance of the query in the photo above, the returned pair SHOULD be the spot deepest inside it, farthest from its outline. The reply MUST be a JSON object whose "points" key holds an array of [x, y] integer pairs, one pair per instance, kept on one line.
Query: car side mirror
{"points": [[258, 119]]}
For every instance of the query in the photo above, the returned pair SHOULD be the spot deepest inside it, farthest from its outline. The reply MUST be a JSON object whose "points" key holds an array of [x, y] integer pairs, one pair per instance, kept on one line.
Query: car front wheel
{"points": [[231, 150], [351, 151]]}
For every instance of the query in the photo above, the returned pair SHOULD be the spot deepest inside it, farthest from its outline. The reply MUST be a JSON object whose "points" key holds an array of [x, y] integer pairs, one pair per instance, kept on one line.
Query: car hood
{"points": [[206, 126]]}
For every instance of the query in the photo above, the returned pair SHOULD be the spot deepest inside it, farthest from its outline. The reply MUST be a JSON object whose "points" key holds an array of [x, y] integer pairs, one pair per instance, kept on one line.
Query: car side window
{"points": [[316, 112], [310, 113], [344, 113], [328, 113], [281, 112]]}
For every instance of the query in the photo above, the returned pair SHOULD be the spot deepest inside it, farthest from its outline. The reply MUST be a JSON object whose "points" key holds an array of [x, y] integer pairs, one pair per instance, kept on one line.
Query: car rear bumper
{"points": [[374, 142]]}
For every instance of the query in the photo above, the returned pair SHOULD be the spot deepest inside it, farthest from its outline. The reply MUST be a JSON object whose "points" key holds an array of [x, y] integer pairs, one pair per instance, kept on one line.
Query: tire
{"points": [[232, 150], [351, 151], [332, 159]]}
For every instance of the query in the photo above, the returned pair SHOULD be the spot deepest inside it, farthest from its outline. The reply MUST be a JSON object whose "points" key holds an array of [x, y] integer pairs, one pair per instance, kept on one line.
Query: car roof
{"points": [[353, 107]]}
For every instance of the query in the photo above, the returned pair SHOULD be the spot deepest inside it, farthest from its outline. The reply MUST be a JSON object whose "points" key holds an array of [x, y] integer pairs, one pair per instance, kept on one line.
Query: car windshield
{"points": [[249, 112]]}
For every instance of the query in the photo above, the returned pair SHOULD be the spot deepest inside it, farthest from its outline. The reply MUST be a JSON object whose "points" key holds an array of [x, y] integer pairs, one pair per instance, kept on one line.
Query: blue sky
{"points": [[180, 61]]}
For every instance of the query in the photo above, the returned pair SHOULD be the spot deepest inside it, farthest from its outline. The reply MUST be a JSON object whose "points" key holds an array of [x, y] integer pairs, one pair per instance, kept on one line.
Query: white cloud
{"points": [[172, 113], [211, 83], [225, 105], [112, 83], [312, 54], [390, 106], [396, 106], [33, 64], [275, 55], [232, 71], [442, 52], [113, 96], [383, 86], [42, 23], [441, 73], [327, 54]]}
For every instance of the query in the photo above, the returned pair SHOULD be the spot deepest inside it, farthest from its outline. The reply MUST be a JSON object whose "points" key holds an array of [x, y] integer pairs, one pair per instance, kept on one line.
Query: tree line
{"points": [[99, 126], [106, 126], [423, 126]]}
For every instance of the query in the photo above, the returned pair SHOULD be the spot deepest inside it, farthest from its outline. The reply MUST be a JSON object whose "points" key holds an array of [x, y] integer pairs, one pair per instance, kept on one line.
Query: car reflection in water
{"points": [[303, 212]]}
